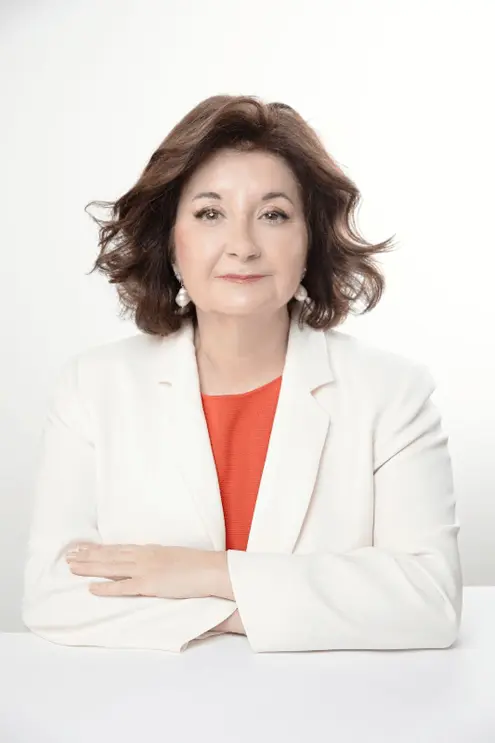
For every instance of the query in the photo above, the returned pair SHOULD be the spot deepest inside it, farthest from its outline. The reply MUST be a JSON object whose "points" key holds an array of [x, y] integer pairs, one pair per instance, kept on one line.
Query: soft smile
{"points": [[240, 279]]}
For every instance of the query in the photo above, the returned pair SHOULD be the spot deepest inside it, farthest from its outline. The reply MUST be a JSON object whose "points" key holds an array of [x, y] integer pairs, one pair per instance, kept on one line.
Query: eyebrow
{"points": [[266, 197]]}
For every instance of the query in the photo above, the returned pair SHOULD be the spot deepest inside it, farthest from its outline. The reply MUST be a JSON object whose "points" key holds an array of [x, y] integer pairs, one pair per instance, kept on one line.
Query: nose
{"points": [[242, 245]]}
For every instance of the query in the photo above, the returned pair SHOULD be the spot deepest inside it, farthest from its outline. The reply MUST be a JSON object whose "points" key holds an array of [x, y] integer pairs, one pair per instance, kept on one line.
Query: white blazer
{"points": [[353, 543]]}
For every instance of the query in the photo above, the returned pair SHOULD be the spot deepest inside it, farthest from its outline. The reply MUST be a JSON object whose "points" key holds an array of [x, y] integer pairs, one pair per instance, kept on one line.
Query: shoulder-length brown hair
{"points": [[136, 243]]}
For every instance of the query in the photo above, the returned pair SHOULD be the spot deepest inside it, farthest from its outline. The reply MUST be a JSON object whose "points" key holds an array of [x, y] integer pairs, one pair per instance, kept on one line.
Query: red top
{"points": [[240, 427]]}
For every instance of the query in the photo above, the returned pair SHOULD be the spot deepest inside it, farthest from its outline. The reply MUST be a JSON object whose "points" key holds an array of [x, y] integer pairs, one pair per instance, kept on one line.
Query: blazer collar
{"points": [[307, 358]]}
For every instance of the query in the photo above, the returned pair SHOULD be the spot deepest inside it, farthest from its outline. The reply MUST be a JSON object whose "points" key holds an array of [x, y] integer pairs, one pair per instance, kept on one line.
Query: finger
{"points": [[101, 553], [103, 569], [120, 588]]}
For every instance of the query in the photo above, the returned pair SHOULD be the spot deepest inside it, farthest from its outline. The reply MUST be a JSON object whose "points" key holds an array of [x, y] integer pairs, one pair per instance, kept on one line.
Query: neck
{"points": [[235, 354]]}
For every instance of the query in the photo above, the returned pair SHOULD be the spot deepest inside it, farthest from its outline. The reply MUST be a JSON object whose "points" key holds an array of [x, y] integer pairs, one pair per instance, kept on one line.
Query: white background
{"points": [[400, 92]]}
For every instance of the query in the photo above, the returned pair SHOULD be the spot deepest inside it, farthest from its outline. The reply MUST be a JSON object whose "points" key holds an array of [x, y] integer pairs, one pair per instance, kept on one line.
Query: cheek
{"points": [[290, 259], [197, 264], [184, 242], [192, 250]]}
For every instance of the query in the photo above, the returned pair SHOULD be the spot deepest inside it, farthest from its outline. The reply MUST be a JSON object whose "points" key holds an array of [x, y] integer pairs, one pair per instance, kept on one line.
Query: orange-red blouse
{"points": [[239, 426]]}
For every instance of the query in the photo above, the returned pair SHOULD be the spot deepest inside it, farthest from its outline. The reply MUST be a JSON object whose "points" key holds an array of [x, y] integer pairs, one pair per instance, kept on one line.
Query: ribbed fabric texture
{"points": [[239, 427]]}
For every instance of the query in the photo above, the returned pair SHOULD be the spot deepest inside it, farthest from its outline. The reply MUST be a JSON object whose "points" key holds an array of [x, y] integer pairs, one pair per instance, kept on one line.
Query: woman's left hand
{"points": [[144, 570]]}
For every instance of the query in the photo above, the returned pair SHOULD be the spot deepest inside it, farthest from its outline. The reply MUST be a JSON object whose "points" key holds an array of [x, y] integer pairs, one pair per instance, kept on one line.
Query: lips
{"points": [[236, 279], [241, 278]]}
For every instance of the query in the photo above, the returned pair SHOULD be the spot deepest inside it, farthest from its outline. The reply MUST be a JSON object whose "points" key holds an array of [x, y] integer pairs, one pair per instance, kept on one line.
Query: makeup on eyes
{"points": [[208, 209]]}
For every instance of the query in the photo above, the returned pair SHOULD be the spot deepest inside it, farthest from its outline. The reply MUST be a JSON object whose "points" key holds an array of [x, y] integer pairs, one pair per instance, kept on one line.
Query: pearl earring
{"points": [[301, 293], [182, 298]]}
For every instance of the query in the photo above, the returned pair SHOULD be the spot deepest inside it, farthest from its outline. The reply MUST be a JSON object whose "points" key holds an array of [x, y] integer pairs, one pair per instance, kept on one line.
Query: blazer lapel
{"points": [[298, 435], [189, 437]]}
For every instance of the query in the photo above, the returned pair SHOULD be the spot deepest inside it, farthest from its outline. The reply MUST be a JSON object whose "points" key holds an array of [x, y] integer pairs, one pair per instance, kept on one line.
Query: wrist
{"points": [[216, 578], [231, 624]]}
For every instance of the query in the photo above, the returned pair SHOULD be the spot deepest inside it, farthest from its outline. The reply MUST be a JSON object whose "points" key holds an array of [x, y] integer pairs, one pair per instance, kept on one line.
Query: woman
{"points": [[283, 479]]}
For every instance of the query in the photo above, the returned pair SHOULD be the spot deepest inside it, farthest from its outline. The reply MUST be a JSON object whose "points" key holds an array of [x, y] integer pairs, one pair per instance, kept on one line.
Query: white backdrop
{"points": [[401, 93]]}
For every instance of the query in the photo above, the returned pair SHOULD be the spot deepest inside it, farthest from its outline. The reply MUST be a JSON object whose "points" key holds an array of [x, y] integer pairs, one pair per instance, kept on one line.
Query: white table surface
{"points": [[219, 690]]}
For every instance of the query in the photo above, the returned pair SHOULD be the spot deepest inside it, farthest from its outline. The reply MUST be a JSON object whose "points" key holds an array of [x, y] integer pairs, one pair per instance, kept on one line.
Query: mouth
{"points": [[240, 279]]}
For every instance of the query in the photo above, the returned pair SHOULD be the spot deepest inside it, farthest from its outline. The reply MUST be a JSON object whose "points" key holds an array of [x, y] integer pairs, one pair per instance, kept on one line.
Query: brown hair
{"points": [[136, 243]]}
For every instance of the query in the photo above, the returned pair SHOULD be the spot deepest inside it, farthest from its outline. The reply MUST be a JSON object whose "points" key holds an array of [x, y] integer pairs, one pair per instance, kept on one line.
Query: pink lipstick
{"points": [[241, 279]]}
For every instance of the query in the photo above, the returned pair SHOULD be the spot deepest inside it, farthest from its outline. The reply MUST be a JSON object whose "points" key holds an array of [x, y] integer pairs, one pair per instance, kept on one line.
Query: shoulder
{"points": [[373, 368], [100, 365], [114, 352]]}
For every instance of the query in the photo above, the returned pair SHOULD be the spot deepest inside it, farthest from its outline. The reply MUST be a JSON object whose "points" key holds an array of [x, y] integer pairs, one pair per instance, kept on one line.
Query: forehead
{"points": [[227, 171]]}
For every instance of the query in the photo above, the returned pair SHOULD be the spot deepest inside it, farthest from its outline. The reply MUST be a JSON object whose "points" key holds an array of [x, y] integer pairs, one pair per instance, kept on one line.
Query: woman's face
{"points": [[241, 213]]}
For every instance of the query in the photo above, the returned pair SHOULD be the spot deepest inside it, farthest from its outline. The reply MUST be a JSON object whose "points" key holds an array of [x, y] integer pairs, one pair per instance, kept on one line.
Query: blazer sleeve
{"points": [[56, 604], [404, 591]]}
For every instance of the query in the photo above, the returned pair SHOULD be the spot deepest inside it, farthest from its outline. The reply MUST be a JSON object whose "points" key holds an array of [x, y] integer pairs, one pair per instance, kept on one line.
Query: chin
{"points": [[244, 310]]}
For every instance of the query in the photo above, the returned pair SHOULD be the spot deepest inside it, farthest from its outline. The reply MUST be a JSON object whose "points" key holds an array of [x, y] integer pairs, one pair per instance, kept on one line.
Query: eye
{"points": [[280, 215], [207, 210]]}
